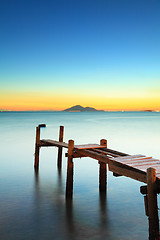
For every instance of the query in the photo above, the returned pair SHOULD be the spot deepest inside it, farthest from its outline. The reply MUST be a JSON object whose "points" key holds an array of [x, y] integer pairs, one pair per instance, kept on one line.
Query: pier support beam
{"points": [[152, 204], [59, 160], [69, 182], [37, 147], [103, 171]]}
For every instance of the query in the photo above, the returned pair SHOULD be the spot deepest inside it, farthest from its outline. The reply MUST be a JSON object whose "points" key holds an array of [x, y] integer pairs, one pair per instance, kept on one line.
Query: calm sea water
{"points": [[34, 207]]}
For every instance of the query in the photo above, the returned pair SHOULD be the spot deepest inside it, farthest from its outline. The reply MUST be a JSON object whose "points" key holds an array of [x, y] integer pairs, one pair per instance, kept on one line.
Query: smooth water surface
{"points": [[33, 206]]}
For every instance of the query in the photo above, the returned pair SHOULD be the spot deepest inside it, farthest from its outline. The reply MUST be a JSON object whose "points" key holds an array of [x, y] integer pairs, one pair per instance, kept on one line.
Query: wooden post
{"points": [[59, 161], [152, 204], [37, 147], [146, 205], [103, 170], [69, 183]]}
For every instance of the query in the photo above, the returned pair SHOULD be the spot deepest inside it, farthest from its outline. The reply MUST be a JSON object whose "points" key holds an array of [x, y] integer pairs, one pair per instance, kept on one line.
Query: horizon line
{"points": [[101, 110]]}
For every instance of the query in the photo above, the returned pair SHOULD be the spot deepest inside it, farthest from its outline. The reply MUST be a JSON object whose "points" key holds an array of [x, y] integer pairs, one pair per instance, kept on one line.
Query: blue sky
{"points": [[65, 45]]}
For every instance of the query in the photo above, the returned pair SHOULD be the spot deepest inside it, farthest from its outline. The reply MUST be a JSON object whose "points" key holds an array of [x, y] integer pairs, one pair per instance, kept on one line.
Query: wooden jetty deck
{"points": [[142, 168]]}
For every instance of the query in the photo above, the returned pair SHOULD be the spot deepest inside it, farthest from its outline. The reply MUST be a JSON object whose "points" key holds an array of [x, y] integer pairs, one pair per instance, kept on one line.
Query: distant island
{"points": [[79, 108]]}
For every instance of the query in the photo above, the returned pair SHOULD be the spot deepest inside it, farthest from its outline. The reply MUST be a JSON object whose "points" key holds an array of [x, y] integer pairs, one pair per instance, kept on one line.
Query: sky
{"points": [[99, 53]]}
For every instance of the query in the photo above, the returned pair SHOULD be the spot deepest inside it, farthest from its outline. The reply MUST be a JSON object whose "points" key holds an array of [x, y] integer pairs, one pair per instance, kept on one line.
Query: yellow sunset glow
{"points": [[60, 101]]}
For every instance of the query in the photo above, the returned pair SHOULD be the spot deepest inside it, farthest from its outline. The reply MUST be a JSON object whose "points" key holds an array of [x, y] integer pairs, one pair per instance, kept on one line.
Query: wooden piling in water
{"points": [[152, 204], [103, 170], [69, 182], [146, 205], [59, 160], [37, 147]]}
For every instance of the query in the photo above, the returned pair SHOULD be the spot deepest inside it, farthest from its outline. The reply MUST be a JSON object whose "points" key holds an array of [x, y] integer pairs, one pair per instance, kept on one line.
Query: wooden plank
{"points": [[75, 155], [146, 163], [128, 158], [88, 146], [105, 152], [144, 168], [106, 159], [94, 155], [48, 142], [133, 156], [128, 173], [108, 150], [156, 165], [139, 160]]}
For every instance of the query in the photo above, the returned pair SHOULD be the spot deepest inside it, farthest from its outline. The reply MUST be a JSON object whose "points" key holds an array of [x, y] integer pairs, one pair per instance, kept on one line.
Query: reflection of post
{"points": [[69, 218], [103, 212], [69, 183], [102, 170], [152, 204], [36, 173], [37, 147], [59, 162]]}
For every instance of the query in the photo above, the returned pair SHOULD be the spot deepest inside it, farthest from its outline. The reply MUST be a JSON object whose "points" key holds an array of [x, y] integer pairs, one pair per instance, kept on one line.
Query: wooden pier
{"points": [[139, 167]]}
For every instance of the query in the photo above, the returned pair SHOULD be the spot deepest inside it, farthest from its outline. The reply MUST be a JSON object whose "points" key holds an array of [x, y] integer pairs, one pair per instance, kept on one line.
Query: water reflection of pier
{"points": [[138, 167], [65, 212]]}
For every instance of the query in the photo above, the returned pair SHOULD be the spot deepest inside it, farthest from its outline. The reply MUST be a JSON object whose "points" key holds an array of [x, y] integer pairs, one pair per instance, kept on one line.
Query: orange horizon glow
{"points": [[58, 100], [58, 104]]}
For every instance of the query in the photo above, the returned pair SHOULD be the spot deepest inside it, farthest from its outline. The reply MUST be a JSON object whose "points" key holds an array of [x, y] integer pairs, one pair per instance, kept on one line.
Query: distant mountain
{"points": [[148, 111], [79, 108]]}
